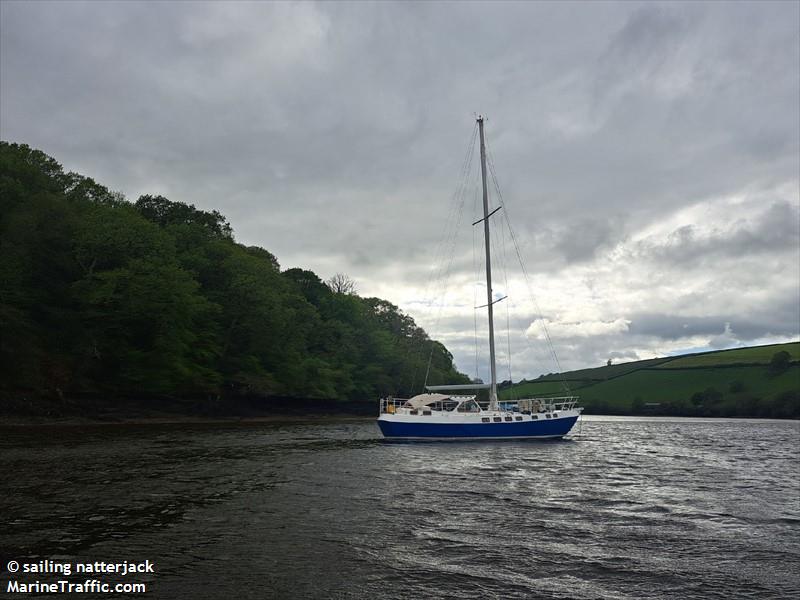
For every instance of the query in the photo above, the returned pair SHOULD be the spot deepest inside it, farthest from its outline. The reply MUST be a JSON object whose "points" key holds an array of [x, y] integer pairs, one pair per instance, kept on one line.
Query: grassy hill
{"points": [[737, 382]]}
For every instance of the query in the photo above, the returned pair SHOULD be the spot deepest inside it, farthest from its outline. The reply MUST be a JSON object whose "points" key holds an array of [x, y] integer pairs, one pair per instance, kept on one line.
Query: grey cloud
{"points": [[725, 339], [586, 237], [641, 52], [775, 230], [782, 319]]}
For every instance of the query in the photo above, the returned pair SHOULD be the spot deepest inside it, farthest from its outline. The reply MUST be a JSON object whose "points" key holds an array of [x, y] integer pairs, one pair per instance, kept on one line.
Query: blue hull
{"points": [[551, 428]]}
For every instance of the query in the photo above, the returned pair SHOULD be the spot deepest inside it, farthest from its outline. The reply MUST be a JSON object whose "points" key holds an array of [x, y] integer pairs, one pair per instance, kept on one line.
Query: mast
{"points": [[493, 388]]}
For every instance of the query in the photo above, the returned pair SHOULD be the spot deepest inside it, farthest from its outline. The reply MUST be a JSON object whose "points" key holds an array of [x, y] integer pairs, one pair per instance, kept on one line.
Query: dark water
{"points": [[630, 508]]}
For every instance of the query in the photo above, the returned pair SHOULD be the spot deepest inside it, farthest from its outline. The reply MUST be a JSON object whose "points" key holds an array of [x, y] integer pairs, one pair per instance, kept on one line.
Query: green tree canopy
{"points": [[165, 212]]}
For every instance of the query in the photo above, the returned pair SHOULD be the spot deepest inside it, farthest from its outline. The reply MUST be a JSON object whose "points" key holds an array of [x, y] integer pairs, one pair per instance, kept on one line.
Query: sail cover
{"points": [[426, 399]]}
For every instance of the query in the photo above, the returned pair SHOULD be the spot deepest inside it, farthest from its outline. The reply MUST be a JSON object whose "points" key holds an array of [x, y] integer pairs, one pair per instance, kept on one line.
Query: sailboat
{"points": [[446, 412]]}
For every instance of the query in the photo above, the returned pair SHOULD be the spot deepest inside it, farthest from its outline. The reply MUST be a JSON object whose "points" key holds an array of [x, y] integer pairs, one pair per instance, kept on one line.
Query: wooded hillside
{"points": [[102, 296]]}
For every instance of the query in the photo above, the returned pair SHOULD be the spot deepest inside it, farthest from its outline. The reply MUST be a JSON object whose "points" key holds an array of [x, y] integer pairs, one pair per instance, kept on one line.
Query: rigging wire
{"points": [[508, 309], [500, 247], [451, 235], [449, 231], [490, 161]]}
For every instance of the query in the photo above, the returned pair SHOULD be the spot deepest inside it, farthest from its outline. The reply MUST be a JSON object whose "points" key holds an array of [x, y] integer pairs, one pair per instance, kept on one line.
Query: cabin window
{"points": [[426, 412], [509, 419], [415, 412], [548, 416], [518, 418], [555, 414], [535, 417], [485, 419], [497, 419]]}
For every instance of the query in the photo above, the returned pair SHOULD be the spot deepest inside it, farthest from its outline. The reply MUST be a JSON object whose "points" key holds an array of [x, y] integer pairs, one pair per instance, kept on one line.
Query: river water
{"points": [[626, 508]]}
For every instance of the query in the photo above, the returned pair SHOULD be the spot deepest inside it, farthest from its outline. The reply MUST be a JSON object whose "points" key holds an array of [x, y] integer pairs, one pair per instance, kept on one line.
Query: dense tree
{"points": [[780, 362], [309, 285], [165, 212]]}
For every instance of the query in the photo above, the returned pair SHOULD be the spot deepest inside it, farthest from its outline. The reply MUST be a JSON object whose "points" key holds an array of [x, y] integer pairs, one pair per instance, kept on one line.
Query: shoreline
{"points": [[23, 422], [9, 422]]}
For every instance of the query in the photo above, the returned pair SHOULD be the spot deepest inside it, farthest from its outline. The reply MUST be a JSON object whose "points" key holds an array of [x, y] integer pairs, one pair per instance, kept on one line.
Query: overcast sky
{"points": [[648, 154]]}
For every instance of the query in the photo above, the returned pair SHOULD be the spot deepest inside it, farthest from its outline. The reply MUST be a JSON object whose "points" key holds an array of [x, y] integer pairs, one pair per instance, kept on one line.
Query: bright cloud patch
{"points": [[580, 329]]}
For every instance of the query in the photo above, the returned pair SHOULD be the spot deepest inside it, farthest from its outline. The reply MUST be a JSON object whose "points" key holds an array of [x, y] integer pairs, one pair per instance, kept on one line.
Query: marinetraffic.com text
{"points": [[49, 576]]}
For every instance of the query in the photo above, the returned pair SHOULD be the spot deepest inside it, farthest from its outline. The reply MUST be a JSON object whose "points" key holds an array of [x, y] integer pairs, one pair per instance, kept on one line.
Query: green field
{"points": [[738, 356], [544, 388], [605, 372], [738, 382]]}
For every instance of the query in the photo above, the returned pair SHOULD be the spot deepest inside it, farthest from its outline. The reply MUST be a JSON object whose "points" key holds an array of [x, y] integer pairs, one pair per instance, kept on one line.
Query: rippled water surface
{"points": [[627, 508]]}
